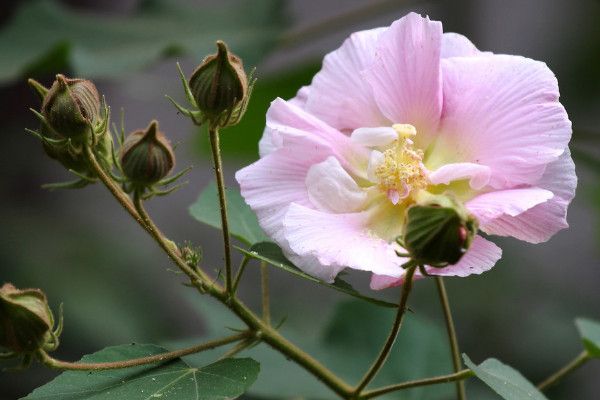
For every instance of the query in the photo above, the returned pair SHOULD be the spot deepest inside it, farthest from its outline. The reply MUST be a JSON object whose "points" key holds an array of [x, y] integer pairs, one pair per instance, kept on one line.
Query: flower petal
{"points": [[541, 222], [406, 74], [481, 257], [457, 45], [339, 94], [331, 188], [339, 239], [512, 202], [374, 137], [503, 112], [479, 174]]}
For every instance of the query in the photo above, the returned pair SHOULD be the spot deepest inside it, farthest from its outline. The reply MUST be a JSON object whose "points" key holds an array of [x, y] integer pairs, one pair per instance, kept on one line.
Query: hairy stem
{"points": [[240, 272], [460, 385], [457, 376], [51, 362], [556, 377], [264, 285], [385, 351], [218, 165]]}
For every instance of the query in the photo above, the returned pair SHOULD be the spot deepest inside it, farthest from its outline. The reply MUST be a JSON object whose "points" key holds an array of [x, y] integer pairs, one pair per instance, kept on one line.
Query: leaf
{"points": [[504, 380], [225, 379], [272, 254], [44, 35], [242, 220], [590, 334]]}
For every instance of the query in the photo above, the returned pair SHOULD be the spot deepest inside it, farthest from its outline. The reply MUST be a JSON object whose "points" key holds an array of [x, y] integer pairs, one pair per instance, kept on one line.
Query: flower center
{"points": [[401, 170]]}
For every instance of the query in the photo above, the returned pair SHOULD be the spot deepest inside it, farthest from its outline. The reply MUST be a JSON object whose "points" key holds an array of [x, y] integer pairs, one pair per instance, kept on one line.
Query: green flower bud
{"points": [[72, 107], [147, 156], [438, 230], [219, 85], [26, 321]]}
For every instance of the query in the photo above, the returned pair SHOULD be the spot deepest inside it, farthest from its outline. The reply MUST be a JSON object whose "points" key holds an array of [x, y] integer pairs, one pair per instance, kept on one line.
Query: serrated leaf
{"points": [[242, 220], [590, 334], [271, 253], [45, 35], [225, 379], [504, 380]]}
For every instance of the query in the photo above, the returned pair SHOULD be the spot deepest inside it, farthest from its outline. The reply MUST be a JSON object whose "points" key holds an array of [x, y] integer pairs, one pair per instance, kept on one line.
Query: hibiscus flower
{"points": [[399, 111]]}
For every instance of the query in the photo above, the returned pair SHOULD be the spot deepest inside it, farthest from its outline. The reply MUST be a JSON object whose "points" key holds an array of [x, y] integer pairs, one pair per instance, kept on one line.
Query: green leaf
{"points": [[504, 380], [590, 334], [225, 379], [242, 220], [45, 35], [272, 254]]}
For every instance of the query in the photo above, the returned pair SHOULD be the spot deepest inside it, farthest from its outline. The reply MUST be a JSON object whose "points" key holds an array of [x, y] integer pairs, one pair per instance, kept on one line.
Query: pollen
{"points": [[401, 170]]}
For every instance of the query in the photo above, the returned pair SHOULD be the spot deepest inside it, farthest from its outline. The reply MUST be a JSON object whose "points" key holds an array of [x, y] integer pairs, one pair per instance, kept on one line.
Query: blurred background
{"points": [[83, 250]]}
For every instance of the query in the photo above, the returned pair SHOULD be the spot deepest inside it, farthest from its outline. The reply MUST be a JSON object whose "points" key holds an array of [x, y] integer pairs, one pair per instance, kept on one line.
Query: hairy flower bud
{"points": [[219, 85], [438, 231], [71, 107], [26, 321], [147, 156]]}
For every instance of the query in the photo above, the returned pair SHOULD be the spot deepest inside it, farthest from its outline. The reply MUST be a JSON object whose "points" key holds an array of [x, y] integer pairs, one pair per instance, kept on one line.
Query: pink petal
{"points": [[374, 137], [503, 112], [301, 97], [512, 202], [339, 94], [479, 174], [541, 222], [457, 45], [339, 239], [406, 74], [481, 257], [332, 189]]}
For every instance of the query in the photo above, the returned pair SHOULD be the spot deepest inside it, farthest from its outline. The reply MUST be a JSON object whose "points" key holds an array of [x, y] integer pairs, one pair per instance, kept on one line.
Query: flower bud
{"points": [[25, 319], [438, 230], [219, 85], [72, 107], [147, 156]]}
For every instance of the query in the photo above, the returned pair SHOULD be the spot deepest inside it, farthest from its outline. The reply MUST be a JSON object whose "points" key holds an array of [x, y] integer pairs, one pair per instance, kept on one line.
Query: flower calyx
{"points": [[72, 116], [145, 159], [218, 90], [438, 230], [26, 323]]}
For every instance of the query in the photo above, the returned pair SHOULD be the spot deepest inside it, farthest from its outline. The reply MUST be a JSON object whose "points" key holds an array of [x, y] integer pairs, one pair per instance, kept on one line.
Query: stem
{"points": [[264, 284], [218, 164], [51, 362], [116, 191], [240, 272], [385, 351], [577, 362], [460, 385], [457, 376]]}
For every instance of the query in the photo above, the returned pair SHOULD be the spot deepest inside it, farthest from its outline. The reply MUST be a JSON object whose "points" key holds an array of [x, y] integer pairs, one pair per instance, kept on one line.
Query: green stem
{"points": [[383, 355], [457, 376], [240, 272], [264, 284], [460, 385], [553, 379], [51, 362], [218, 164]]}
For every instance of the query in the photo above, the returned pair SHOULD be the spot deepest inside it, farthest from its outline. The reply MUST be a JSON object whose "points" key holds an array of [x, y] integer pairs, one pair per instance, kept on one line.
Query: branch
{"points": [[553, 379], [51, 362]]}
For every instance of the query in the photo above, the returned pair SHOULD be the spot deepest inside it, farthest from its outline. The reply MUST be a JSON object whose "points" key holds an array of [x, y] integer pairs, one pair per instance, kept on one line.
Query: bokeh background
{"points": [[82, 249]]}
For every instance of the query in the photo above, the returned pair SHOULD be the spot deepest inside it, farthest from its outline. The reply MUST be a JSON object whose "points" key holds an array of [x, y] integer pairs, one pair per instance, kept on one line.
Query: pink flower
{"points": [[399, 110]]}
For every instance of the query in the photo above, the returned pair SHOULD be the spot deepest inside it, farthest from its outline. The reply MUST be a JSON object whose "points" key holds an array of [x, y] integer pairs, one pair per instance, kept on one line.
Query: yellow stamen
{"points": [[401, 170]]}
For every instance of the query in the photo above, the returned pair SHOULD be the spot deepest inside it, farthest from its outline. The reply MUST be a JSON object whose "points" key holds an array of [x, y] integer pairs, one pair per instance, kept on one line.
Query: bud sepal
{"points": [[218, 90], [27, 324], [438, 230]]}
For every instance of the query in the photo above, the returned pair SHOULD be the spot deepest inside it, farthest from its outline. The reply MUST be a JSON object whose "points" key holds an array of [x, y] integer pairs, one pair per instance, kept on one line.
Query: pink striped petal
{"points": [[479, 174], [489, 206], [457, 45], [503, 112], [541, 222], [339, 240], [339, 95], [406, 74]]}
